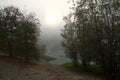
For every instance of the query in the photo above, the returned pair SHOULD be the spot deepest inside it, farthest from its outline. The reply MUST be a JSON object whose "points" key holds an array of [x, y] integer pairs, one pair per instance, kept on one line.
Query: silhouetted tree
{"points": [[9, 19], [28, 35], [19, 33], [70, 40], [97, 26]]}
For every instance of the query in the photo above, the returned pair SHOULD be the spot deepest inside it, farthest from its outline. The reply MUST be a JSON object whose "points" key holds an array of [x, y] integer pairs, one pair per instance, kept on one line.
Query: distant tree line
{"points": [[19, 33], [92, 35]]}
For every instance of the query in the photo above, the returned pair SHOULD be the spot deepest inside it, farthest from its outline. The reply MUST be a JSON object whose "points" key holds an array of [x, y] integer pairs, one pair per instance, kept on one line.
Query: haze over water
{"points": [[50, 14]]}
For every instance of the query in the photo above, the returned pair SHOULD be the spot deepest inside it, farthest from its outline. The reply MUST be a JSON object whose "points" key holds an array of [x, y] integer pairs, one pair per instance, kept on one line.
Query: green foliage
{"points": [[9, 21], [19, 33], [70, 39], [96, 32], [68, 65], [28, 36], [93, 69], [47, 58]]}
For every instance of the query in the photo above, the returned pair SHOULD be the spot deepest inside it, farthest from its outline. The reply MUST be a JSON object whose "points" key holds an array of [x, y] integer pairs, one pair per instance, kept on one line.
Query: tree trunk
{"points": [[85, 65], [75, 61], [10, 49], [26, 59]]}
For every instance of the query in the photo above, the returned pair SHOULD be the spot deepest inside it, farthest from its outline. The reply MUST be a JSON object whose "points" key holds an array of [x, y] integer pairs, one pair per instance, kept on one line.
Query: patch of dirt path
{"points": [[16, 70]]}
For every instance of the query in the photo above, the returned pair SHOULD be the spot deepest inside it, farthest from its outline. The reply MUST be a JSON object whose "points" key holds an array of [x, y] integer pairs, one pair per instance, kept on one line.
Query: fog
{"points": [[50, 31], [52, 39]]}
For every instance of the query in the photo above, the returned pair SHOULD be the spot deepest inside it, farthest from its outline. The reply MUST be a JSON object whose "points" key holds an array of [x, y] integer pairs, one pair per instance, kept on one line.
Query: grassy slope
{"points": [[47, 58], [92, 70]]}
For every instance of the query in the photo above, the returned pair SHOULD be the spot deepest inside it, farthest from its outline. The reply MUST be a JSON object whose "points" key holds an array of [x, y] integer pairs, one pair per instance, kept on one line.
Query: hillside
{"points": [[15, 69]]}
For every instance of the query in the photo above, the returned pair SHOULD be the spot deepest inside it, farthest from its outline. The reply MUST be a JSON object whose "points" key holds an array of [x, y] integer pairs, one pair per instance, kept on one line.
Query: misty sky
{"points": [[43, 8], [50, 14]]}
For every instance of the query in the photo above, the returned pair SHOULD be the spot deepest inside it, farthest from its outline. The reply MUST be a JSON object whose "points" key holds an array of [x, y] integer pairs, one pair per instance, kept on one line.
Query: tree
{"points": [[97, 26], [84, 30], [19, 33], [102, 17], [107, 28], [28, 35], [70, 42], [9, 19], [76, 34]]}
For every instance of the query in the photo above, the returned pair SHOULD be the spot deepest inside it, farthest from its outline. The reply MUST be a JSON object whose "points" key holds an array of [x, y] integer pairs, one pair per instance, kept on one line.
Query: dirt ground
{"points": [[14, 69]]}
